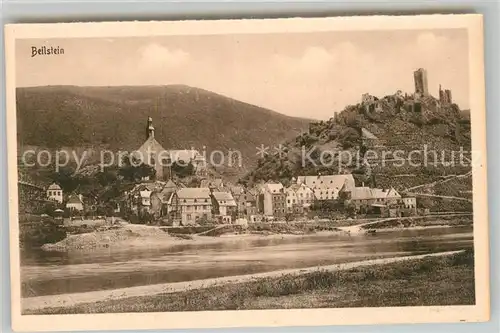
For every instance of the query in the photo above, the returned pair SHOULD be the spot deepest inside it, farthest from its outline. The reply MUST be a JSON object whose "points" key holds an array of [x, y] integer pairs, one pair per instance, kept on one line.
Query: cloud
{"points": [[312, 61], [157, 57], [300, 75]]}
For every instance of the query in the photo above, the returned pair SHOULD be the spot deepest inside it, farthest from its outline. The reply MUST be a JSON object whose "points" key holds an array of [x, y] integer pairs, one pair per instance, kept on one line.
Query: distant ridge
{"points": [[115, 118]]}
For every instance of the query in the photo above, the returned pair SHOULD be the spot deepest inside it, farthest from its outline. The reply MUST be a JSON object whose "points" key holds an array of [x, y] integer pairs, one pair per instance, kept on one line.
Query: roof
{"points": [[185, 155], [170, 185], [237, 189], [151, 186], [166, 197], [167, 191], [273, 188], [293, 187], [365, 193], [145, 193], [74, 199], [54, 186], [194, 193], [152, 146], [365, 134], [253, 191], [328, 181], [361, 193], [224, 196]]}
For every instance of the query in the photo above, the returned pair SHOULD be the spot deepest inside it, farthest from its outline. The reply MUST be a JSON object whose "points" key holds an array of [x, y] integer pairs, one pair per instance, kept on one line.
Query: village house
{"points": [[247, 203], [368, 199], [165, 195], [156, 204], [224, 206], [75, 203], [299, 197], [236, 191], [192, 205], [139, 197], [55, 193], [273, 200], [410, 203], [326, 187], [152, 153]]}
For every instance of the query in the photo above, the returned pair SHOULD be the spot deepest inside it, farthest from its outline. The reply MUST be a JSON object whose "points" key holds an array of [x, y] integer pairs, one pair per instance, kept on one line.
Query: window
{"points": [[184, 201], [188, 216], [288, 200], [195, 200]]}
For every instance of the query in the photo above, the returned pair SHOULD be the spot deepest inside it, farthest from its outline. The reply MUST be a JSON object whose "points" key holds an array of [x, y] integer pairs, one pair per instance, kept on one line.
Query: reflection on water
{"points": [[49, 273]]}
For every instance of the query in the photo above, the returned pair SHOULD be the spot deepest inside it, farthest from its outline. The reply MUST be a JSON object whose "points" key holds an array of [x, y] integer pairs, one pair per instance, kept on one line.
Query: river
{"points": [[52, 273]]}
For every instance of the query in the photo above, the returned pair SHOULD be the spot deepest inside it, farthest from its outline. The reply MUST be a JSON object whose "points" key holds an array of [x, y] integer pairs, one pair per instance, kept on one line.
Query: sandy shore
{"points": [[66, 300], [129, 236]]}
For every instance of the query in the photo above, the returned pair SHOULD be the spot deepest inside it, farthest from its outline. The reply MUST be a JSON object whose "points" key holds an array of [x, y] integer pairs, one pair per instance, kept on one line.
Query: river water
{"points": [[52, 273]]}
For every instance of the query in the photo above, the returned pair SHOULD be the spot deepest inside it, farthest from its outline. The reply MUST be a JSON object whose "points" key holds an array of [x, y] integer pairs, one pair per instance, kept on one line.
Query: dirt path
{"points": [[441, 181], [66, 300], [359, 227]]}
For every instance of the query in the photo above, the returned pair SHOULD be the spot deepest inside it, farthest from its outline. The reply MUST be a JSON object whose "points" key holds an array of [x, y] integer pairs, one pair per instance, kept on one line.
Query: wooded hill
{"points": [[115, 118]]}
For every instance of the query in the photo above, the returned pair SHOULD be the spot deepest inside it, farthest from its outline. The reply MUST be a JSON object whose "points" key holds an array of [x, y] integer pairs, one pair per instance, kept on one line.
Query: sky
{"points": [[310, 75]]}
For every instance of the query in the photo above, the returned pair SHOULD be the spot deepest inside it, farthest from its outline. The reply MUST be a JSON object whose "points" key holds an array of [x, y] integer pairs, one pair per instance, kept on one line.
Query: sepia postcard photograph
{"points": [[247, 173]]}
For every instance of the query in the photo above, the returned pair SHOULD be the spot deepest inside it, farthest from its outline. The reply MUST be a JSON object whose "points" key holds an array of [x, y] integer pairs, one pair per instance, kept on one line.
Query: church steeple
{"points": [[150, 130]]}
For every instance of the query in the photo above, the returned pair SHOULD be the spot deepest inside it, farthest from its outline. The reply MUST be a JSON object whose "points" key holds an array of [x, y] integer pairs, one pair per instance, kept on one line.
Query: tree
{"points": [[134, 170], [48, 208], [349, 138], [183, 169], [65, 178], [351, 210], [106, 177]]}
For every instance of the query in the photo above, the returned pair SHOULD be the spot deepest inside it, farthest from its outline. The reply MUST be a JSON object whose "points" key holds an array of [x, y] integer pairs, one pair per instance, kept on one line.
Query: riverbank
{"points": [[434, 279], [133, 236], [128, 236]]}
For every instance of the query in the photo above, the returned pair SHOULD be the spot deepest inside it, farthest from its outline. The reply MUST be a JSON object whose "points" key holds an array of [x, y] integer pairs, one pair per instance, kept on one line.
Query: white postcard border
{"points": [[261, 318]]}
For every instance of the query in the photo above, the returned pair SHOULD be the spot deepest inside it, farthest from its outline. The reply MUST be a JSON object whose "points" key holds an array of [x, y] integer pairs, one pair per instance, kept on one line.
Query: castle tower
{"points": [[445, 96], [441, 95], [150, 130], [447, 93], [420, 78]]}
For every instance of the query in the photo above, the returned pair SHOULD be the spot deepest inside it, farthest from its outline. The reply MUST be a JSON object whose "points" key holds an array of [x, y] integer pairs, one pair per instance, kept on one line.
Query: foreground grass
{"points": [[429, 281]]}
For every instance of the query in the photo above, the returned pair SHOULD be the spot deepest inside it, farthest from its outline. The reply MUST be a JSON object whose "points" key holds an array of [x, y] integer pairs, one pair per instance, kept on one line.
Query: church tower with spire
{"points": [[150, 130]]}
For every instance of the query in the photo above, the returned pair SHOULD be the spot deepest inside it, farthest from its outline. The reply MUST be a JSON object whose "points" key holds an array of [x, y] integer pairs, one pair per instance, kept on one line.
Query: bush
{"points": [[39, 233]]}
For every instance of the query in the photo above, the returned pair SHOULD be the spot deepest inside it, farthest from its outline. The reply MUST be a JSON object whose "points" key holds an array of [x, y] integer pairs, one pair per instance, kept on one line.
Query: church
{"points": [[152, 153]]}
